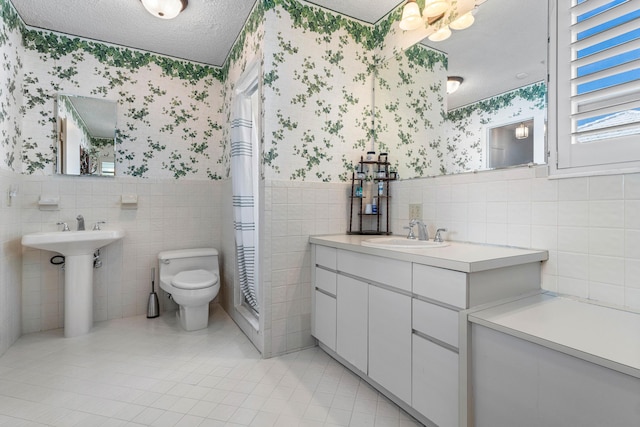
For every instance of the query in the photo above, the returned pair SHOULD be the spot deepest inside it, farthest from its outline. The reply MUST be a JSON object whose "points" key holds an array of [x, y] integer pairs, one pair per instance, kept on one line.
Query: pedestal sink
{"points": [[78, 248]]}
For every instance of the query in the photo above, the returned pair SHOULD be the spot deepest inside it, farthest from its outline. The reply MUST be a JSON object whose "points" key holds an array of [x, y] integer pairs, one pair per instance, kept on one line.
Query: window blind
{"points": [[601, 64]]}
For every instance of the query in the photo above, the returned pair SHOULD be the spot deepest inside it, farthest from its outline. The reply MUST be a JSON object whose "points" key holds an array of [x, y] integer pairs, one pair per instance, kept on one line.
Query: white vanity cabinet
{"points": [[435, 361], [435, 378], [397, 315], [352, 314], [390, 340], [323, 322]]}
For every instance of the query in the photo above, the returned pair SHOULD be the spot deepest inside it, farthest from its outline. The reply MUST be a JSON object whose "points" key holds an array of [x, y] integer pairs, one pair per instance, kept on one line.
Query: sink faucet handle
{"points": [[64, 225], [410, 228], [438, 237], [97, 225]]}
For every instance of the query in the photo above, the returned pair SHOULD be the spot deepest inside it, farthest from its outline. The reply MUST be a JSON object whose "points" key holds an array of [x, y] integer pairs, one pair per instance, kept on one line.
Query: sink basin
{"points": [[72, 242], [78, 248], [402, 243]]}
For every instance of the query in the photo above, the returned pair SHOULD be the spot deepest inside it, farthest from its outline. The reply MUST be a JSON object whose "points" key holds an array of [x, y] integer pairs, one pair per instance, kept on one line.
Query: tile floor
{"points": [[138, 372]]}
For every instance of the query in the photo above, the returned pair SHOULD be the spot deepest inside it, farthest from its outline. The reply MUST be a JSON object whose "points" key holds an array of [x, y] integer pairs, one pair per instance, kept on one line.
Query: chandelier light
{"points": [[464, 22], [164, 9], [434, 11], [411, 18], [434, 8], [440, 35], [522, 131]]}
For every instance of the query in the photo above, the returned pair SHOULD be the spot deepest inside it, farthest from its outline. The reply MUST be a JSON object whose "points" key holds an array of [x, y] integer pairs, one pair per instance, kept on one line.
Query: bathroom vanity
{"points": [[397, 317], [556, 360]]}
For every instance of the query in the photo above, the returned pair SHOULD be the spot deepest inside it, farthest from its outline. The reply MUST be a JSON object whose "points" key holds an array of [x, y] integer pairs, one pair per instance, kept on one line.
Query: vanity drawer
{"points": [[326, 280], [447, 286], [436, 322], [376, 269], [326, 257]]}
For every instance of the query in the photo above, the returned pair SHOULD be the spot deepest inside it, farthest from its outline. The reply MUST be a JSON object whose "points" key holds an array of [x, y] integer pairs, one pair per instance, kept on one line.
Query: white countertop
{"points": [[604, 335], [465, 257]]}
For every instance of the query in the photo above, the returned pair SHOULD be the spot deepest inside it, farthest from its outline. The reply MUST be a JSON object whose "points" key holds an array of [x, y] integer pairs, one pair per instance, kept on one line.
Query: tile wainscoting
{"points": [[590, 225]]}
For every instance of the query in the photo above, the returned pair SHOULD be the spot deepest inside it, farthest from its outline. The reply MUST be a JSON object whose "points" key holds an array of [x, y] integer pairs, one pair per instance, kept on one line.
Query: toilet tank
{"points": [[172, 262]]}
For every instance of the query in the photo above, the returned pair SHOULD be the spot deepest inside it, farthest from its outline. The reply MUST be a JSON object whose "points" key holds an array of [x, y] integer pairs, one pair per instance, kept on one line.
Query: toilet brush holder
{"points": [[153, 307]]}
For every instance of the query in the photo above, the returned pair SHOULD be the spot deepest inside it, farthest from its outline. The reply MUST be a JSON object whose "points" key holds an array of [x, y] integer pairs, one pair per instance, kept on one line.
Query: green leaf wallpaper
{"points": [[410, 94], [166, 126], [317, 92], [318, 70], [10, 84]]}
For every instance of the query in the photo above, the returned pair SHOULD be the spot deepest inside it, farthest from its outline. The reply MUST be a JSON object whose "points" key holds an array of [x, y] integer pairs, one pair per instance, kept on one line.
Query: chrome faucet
{"points": [[423, 234], [438, 237], [64, 225], [80, 219]]}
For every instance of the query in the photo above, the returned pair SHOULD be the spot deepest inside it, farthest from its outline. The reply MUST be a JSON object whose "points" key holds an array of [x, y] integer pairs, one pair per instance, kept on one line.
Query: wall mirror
{"points": [[510, 144], [503, 52], [85, 135]]}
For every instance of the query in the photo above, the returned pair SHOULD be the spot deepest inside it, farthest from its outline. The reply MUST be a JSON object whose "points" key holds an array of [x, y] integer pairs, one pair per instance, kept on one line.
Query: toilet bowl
{"points": [[192, 278]]}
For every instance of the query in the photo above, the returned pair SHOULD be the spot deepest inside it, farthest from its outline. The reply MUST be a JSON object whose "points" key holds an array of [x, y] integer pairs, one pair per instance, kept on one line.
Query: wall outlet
{"points": [[415, 211]]}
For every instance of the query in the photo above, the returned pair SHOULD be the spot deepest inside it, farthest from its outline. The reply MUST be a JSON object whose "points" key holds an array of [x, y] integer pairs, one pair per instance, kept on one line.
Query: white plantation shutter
{"points": [[598, 84]]}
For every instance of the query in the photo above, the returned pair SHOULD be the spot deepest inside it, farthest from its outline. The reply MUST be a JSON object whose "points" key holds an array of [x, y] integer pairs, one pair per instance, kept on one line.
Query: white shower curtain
{"points": [[244, 212]]}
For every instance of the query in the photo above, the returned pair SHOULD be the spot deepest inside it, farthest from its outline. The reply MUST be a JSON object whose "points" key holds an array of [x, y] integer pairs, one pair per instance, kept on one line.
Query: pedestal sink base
{"points": [[78, 295], [78, 248]]}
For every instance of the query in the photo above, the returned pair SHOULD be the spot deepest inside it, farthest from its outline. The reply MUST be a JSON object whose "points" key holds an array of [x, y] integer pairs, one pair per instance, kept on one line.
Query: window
{"points": [[597, 85], [510, 145]]}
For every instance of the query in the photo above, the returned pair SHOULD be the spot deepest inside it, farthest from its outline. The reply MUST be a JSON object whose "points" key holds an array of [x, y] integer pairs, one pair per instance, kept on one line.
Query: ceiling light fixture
{"points": [[165, 9], [522, 131], [411, 18], [441, 35], [434, 8], [453, 83], [463, 22], [435, 11]]}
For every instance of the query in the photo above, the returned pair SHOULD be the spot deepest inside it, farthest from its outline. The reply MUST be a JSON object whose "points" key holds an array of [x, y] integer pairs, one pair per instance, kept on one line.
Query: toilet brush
{"points": [[153, 308]]}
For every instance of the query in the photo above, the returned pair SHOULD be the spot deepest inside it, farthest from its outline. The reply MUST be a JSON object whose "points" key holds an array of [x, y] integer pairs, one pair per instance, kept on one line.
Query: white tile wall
{"points": [[590, 225], [170, 215], [293, 212], [10, 261]]}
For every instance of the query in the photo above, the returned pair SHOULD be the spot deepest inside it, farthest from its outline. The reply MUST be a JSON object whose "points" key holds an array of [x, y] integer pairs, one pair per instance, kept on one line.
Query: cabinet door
{"points": [[435, 382], [351, 336], [325, 319], [390, 341]]}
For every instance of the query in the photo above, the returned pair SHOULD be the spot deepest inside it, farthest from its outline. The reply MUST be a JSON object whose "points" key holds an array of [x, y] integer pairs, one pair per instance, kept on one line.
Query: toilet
{"points": [[192, 278]]}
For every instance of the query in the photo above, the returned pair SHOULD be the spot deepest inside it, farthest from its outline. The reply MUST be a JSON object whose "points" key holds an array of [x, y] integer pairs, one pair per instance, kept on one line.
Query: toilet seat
{"points": [[194, 279]]}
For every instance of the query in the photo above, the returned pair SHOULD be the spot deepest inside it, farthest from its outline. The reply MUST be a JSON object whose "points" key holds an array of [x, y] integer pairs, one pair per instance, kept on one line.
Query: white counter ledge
{"points": [[465, 257], [606, 336]]}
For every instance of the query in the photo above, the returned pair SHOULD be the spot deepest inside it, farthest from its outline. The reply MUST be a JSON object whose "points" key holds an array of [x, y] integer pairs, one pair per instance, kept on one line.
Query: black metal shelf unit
{"points": [[370, 196]]}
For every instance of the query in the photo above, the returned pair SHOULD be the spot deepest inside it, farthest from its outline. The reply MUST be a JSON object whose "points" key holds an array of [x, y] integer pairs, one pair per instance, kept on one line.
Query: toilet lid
{"points": [[194, 279]]}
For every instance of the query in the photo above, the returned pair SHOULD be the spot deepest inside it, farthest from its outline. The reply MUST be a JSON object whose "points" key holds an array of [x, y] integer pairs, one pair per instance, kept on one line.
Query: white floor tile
{"points": [[136, 372]]}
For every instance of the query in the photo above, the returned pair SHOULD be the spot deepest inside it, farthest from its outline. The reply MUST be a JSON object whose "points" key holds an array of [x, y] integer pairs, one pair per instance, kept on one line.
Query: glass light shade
{"points": [[463, 22], [440, 35], [453, 83], [411, 18], [434, 8], [522, 131], [164, 9]]}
